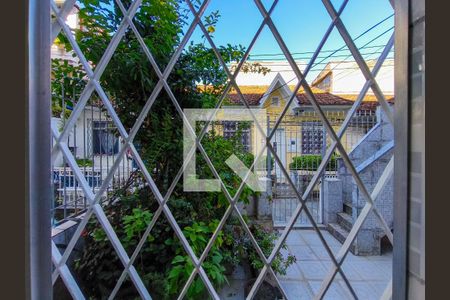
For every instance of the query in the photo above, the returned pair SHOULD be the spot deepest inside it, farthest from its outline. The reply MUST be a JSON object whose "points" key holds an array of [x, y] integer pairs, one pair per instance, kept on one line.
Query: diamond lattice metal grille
{"points": [[95, 209]]}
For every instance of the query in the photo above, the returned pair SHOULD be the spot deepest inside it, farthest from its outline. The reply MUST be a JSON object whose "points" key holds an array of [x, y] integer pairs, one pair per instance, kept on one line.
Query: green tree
{"points": [[128, 80]]}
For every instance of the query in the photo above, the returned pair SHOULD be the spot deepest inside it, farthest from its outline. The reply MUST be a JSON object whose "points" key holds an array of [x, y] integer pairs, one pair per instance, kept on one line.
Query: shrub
{"points": [[84, 162], [240, 248], [197, 235], [311, 162]]}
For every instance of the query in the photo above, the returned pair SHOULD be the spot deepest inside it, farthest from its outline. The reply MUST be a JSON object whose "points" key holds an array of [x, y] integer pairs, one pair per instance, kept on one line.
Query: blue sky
{"points": [[302, 23]]}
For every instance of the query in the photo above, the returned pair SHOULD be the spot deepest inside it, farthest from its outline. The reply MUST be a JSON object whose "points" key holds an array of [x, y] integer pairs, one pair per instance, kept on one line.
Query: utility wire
{"points": [[323, 63], [356, 69], [308, 57], [367, 58], [362, 34], [359, 48], [335, 50], [312, 52]]}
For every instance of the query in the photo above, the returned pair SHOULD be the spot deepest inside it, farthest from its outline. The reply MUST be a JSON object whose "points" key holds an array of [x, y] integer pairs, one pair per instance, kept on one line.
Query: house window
{"points": [[229, 131], [104, 139], [275, 101], [312, 137]]}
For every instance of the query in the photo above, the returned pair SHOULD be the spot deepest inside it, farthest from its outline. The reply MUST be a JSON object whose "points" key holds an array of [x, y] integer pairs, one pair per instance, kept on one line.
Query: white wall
{"points": [[348, 79], [81, 137]]}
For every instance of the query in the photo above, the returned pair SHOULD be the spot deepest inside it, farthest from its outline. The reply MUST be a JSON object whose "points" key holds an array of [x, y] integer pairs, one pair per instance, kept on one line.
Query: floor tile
{"points": [[322, 253], [292, 273], [334, 292], [369, 271], [295, 239], [363, 290], [369, 275], [312, 269], [302, 253], [379, 288], [297, 290], [312, 238]]}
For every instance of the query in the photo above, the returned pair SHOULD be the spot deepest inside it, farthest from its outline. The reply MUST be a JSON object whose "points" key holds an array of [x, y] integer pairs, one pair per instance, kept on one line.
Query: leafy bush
{"points": [[266, 240], [197, 235], [67, 84], [84, 162], [129, 80], [311, 162], [242, 249]]}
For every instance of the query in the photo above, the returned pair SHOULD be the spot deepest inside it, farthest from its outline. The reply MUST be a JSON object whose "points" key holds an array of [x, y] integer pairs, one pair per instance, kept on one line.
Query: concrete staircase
{"points": [[342, 227]]}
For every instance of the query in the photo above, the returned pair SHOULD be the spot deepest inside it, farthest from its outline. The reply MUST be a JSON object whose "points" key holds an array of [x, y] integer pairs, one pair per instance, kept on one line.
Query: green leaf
{"points": [[178, 259]]}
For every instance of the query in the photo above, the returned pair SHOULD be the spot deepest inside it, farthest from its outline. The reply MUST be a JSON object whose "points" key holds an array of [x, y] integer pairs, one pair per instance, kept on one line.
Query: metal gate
{"points": [[301, 144], [94, 207]]}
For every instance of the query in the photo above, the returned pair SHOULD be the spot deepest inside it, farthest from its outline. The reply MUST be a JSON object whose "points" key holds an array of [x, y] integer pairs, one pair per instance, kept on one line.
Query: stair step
{"points": [[348, 208], [345, 220], [340, 233]]}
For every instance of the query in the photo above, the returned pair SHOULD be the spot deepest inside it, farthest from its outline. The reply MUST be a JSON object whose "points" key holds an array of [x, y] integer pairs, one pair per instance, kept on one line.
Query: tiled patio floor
{"points": [[369, 276]]}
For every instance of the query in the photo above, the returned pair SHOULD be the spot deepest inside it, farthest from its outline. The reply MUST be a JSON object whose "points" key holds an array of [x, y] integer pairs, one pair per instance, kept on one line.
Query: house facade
{"points": [[300, 139], [300, 131]]}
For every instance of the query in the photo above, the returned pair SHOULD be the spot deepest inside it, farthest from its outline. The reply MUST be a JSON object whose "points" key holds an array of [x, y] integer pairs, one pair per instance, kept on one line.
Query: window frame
{"points": [[39, 264], [272, 101], [101, 130]]}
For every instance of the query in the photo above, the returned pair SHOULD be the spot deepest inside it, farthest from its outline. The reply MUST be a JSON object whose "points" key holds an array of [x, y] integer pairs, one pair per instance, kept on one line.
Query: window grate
{"points": [[94, 209]]}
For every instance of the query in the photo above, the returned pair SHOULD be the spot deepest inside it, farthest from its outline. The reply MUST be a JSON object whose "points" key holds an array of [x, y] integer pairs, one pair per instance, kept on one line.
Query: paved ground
{"points": [[369, 276]]}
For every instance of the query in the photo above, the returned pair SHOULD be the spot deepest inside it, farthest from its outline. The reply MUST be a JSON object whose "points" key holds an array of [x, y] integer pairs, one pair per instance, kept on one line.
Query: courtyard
{"points": [[163, 207], [368, 275]]}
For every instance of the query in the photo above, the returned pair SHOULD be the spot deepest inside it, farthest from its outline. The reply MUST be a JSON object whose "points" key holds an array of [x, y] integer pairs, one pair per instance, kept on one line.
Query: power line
{"points": [[359, 48], [334, 68], [310, 52], [335, 50], [377, 37], [339, 55], [362, 34], [343, 68]]}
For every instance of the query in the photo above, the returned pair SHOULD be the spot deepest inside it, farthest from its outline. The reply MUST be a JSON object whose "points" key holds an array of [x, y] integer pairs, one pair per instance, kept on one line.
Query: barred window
{"points": [[104, 139], [229, 130], [312, 137]]}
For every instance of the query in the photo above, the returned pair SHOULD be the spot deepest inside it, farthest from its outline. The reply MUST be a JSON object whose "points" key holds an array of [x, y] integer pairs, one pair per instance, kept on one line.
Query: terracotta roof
{"points": [[253, 95], [252, 99], [323, 98], [372, 104], [367, 97]]}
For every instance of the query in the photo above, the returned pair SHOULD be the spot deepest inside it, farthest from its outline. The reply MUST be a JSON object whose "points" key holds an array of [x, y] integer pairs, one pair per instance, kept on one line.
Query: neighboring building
{"points": [[94, 136], [94, 142], [345, 79], [301, 131]]}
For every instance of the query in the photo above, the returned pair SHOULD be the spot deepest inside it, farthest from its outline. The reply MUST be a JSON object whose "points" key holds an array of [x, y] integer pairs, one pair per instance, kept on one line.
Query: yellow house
{"points": [[300, 131]]}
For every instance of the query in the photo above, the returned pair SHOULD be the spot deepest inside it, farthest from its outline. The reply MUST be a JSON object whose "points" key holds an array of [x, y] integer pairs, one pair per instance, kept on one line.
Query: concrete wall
{"points": [[417, 101], [259, 206], [378, 137], [370, 157]]}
